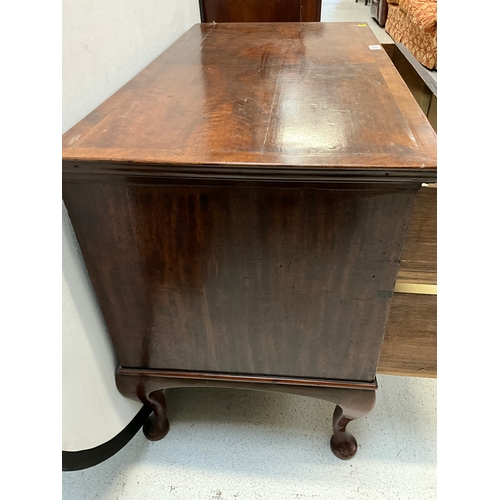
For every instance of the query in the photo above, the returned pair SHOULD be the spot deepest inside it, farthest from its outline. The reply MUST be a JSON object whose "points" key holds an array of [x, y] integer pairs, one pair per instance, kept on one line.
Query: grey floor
{"points": [[350, 11], [245, 445]]}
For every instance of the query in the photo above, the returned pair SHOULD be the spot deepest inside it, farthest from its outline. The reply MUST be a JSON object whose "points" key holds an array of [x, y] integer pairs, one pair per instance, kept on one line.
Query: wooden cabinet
{"points": [[242, 206], [248, 11]]}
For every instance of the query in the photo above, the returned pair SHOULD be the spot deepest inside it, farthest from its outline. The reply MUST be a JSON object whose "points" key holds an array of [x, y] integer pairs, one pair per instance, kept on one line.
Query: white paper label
{"points": [[375, 47]]}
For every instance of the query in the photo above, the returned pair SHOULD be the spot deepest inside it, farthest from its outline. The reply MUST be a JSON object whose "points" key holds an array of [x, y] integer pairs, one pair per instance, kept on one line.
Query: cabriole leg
{"points": [[343, 443], [156, 426]]}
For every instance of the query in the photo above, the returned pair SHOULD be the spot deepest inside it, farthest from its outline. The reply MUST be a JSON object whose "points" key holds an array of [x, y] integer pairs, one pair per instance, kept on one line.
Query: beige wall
{"points": [[105, 43]]}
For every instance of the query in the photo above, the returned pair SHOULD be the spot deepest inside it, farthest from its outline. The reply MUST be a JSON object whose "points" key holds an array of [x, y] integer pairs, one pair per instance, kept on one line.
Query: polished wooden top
{"points": [[288, 95]]}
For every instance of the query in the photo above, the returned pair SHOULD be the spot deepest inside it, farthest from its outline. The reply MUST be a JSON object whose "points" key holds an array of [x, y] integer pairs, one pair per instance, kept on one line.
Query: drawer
{"points": [[419, 259], [410, 341]]}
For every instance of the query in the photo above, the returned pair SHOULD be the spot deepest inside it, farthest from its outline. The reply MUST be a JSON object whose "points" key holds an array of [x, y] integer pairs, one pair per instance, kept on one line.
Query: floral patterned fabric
{"points": [[404, 5], [417, 30], [423, 14]]}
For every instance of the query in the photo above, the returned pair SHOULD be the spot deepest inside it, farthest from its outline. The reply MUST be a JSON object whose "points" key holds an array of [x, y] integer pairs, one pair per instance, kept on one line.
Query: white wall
{"points": [[105, 44]]}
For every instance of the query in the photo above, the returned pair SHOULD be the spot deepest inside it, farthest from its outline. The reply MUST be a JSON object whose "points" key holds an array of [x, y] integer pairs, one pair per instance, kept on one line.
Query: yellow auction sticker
{"points": [[362, 24]]}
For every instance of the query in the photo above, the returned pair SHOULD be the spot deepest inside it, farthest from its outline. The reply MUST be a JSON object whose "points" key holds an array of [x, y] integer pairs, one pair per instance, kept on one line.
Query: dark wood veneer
{"points": [[239, 377], [242, 206], [251, 11], [149, 388], [262, 268]]}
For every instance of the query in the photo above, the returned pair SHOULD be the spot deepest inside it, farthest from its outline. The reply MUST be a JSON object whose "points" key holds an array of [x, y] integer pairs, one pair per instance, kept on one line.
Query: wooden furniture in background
{"points": [[378, 11], [250, 11], [410, 341], [242, 206], [419, 259]]}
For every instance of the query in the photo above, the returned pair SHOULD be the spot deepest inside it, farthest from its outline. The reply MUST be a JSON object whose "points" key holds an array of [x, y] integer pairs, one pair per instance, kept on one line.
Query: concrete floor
{"points": [[244, 445], [350, 11]]}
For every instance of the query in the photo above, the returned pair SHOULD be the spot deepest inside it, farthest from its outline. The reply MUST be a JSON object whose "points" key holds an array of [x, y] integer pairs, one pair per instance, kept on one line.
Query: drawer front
{"points": [[419, 259], [410, 342]]}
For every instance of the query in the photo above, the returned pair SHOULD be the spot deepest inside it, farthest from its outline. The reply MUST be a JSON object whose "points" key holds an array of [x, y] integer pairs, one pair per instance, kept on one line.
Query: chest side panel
{"points": [[234, 279]]}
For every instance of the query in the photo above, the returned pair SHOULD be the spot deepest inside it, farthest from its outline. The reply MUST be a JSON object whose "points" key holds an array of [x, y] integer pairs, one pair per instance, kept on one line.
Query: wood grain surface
{"points": [[419, 259], [309, 95], [251, 11], [235, 279], [310, 10], [351, 403], [196, 377], [243, 202], [410, 342]]}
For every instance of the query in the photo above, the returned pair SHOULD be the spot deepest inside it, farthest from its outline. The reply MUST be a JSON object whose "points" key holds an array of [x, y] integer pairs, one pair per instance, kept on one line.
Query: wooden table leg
{"points": [[351, 403], [343, 443], [156, 426]]}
